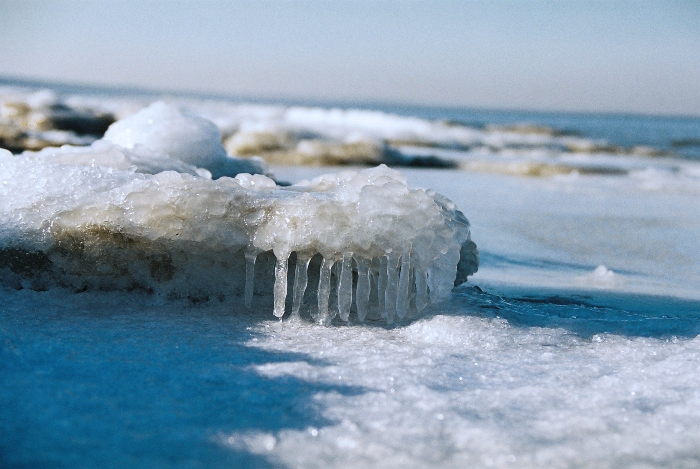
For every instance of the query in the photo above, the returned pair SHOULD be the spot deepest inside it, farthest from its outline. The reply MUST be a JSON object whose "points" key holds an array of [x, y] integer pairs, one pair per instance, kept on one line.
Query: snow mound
{"points": [[366, 236], [167, 131]]}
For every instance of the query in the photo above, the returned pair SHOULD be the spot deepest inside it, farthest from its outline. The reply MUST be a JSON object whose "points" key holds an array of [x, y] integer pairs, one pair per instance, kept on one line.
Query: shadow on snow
{"points": [[137, 387]]}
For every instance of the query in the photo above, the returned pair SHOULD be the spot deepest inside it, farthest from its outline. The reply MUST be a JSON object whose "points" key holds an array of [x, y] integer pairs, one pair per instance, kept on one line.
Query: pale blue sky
{"points": [[632, 56]]}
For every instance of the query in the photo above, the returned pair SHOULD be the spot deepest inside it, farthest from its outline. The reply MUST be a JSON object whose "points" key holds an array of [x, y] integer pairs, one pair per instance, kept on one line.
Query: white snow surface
{"points": [[107, 154], [575, 345], [166, 130]]}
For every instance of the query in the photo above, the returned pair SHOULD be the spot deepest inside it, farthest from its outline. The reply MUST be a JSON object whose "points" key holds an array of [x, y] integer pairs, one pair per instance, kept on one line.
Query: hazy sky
{"points": [[636, 56]]}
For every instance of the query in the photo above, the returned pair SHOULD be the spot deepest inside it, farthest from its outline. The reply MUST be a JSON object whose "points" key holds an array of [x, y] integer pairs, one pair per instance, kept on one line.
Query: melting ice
{"points": [[83, 217]]}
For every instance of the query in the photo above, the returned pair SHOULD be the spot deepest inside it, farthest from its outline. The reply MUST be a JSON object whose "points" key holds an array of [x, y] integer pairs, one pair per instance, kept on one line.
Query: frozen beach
{"points": [[573, 345]]}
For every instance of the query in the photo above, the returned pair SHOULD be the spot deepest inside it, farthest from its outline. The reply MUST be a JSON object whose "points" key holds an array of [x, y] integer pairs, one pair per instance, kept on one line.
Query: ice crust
{"points": [[175, 233]]}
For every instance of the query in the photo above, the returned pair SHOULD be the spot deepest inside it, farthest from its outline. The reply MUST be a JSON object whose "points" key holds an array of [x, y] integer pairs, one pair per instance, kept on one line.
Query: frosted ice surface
{"points": [[174, 233], [107, 154]]}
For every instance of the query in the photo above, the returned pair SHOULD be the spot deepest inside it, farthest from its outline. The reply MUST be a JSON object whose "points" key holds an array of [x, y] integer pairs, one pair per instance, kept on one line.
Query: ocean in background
{"points": [[676, 136], [574, 345]]}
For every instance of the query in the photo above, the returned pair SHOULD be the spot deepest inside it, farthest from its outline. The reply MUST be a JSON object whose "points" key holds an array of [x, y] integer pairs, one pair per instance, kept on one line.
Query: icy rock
{"points": [[165, 130], [365, 238]]}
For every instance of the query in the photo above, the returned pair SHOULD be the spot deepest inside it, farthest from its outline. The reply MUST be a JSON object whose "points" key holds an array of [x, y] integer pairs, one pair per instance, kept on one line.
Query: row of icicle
{"points": [[394, 286]]}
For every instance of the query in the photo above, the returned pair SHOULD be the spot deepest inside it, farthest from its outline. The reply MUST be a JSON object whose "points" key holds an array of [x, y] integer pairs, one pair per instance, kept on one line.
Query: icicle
{"points": [[434, 283], [363, 288], [381, 286], [280, 290], [403, 294], [392, 282], [345, 287], [411, 288], [250, 256], [324, 291], [421, 289], [301, 279]]}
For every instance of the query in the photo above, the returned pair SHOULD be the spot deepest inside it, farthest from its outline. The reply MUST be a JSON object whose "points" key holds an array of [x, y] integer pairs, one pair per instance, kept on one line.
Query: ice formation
{"points": [[84, 217], [166, 130], [312, 136], [157, 138], [290, 132], [365, 232]]}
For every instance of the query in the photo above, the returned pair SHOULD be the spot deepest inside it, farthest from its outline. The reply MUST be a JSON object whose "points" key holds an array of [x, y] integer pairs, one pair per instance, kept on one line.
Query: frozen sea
{"points": [[574, 345]]}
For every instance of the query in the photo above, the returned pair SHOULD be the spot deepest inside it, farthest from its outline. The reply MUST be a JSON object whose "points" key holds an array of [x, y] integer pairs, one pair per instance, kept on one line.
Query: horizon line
{"points": [[138, 90]]}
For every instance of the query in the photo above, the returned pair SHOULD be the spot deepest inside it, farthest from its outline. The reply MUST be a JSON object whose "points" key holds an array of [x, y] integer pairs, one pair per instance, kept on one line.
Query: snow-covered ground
{"points": [[556, 363], [574, 345]]}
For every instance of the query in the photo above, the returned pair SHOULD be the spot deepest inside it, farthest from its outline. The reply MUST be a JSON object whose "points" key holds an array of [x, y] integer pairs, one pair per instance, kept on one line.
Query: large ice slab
{"points": [[370, 241]]}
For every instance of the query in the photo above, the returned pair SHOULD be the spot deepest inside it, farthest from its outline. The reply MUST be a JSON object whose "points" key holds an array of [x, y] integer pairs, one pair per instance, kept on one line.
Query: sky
{"points": [[566, 55]]}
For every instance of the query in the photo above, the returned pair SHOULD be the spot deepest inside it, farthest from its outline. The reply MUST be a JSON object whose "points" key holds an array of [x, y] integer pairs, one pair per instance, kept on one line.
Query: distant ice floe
{"points": [[32, 120], [86, 218], [314, 136]]}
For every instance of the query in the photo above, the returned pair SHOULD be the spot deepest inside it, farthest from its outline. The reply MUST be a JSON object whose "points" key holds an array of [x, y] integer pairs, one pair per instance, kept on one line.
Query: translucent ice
{"points": [[173, 233]]}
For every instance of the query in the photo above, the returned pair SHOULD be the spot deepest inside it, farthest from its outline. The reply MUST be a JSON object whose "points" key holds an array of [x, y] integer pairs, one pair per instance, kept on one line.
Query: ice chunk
{"points": [[95, 227], [166, 130], [34, 120]]}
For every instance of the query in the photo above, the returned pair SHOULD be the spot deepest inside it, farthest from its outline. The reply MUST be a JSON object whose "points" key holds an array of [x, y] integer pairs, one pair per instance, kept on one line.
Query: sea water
{"points": [[574, 345]]}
